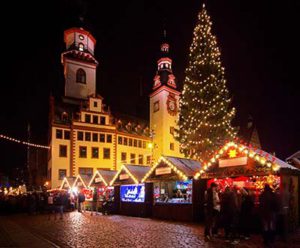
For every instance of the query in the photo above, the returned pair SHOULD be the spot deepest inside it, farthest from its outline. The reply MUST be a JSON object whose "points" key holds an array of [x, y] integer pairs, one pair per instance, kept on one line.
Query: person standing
{"points": [[212, 210], [268, 209], [95, 202], [81, 199]]}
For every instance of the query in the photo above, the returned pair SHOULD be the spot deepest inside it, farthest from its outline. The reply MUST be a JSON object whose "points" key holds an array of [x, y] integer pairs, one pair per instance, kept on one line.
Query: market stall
{"points": [[250, 168], [175, 193], [101, 182], [132, 197]]}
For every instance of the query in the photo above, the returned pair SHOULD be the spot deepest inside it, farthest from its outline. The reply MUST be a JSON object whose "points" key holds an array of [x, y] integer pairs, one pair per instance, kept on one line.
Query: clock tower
{"points": [[164, 104]]}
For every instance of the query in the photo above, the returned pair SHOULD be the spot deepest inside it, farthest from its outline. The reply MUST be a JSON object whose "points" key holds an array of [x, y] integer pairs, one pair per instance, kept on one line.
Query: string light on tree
{"points": [[205, 112]]}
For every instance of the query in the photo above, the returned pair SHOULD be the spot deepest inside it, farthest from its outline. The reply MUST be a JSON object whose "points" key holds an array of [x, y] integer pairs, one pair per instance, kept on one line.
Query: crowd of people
{"points": [[234, 211]]}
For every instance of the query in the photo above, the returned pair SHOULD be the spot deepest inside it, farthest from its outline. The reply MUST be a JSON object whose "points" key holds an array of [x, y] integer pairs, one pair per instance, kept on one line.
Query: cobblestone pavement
{"points": [[83, 230]]}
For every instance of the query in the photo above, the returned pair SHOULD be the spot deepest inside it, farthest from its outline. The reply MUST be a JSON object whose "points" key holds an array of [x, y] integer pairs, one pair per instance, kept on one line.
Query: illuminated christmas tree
{"points": [[205, 112]]}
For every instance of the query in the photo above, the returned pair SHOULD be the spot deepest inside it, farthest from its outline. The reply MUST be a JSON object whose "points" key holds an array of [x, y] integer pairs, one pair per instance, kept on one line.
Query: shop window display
{"points": [[173, 192]]}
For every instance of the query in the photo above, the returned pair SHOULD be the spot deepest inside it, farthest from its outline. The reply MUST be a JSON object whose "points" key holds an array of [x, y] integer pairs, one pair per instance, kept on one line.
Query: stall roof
{"points": [[107, 176], [188, 166], [259, 156], [135, 172], [185, 168]]}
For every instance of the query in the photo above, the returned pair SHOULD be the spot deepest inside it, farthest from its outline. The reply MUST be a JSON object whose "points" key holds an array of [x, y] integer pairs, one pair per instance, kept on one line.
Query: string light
{"points": [[23, 142]]}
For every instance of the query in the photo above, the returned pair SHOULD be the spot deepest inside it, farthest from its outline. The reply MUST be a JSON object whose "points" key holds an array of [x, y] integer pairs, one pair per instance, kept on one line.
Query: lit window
{"points": [[80, 76], [81, 37], [81, 47]]}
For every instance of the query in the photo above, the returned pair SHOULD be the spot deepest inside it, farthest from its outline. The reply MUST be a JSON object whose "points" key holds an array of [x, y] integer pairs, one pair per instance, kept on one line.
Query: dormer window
{"points": [[81, 76], [81, 47]]}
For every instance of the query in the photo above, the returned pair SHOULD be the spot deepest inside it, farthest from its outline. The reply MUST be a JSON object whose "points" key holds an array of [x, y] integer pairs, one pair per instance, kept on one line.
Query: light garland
{"points": [[94, 176], [249, 152], [174, 168], [78, 177], [23, 142], [123, 167], [65, 180]]}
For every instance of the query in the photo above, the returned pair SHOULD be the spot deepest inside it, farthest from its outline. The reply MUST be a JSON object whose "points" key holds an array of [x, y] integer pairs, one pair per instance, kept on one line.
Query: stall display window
{"points": [[132, 193], [173, 192]]}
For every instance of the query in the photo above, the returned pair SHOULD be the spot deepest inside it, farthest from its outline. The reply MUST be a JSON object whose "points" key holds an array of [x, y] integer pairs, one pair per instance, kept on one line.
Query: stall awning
{"points": [[235, 159], [134, 172], [184, 168], [105, 176]]}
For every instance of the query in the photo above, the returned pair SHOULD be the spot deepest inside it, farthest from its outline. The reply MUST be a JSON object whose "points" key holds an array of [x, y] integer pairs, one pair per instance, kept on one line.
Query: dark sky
{"points": [[258, 41]]}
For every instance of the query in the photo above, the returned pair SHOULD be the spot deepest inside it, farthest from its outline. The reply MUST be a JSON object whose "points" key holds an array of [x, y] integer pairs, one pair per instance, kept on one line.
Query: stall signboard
{"points": [[124, 176], [163, 171], [132, 193], [232, 162], [97, 180]]}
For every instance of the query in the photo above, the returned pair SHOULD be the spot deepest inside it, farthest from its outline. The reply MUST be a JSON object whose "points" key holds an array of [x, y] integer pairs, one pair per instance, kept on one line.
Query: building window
{"points": [[81, 76], [95, 137], [95, 119], [62, 174], [66, 135], [95, 104], [135, 143], [172, 130], [102, 137], [106, 153], [130, 142], [80, 135], [81, 37], [144, 144], [141, 159], [62, 150], [125, 141], [82, 151], [102, 120], [95, 152], [81, 47], [123, 157], [85, 171], [59, 133], [120, 140], [132, 158], [87, 118], [87, 136], [109, 138], [148, 160], [172, 146], [139, 143]]}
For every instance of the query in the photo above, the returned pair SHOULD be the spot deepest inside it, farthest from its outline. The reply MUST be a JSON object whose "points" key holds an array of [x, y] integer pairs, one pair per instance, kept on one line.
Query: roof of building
{"points": [[138, 171], [107, 175], [83, 56]]}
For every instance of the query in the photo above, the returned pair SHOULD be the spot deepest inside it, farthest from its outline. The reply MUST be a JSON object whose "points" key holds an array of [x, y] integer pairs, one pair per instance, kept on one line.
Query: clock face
{"points": [[171, 106]]}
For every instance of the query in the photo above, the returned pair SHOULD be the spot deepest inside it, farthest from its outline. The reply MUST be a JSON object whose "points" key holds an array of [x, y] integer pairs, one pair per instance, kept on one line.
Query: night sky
{"points": [[259, 50]]}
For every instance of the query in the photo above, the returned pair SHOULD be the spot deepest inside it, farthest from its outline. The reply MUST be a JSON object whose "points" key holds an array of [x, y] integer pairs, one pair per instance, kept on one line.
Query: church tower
{"points": [[79, 64], [164, 104]]}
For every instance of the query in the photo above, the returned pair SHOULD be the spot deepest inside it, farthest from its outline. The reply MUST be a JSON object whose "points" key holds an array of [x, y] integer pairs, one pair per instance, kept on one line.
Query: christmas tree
{"points": [[205, 112]]}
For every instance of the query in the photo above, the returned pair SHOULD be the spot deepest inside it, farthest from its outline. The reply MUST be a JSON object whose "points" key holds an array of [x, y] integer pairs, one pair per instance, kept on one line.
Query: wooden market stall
{"points": [[175, 193], [132, 197], [251, 168]]}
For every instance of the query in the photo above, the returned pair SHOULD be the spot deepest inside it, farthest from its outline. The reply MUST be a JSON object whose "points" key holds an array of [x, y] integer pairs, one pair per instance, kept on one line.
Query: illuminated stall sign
{"points": [[232, 162], [163, 171], [132, 193], [124, 176], [97, 180]]}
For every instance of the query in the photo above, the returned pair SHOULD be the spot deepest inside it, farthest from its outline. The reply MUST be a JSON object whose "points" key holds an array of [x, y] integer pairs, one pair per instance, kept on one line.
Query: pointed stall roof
{"points": [[105, 175], [185, 168], [135, 172]]}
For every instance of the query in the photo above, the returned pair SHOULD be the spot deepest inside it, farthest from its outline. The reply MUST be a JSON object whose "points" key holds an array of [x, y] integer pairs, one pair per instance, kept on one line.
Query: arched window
{"points": [[80, 76], [81, 47]]}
